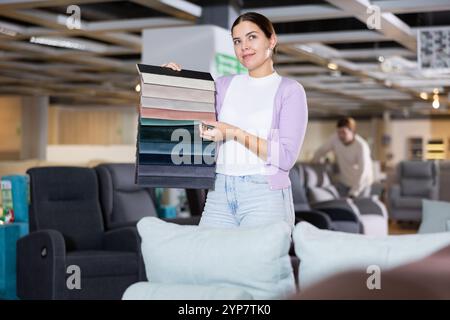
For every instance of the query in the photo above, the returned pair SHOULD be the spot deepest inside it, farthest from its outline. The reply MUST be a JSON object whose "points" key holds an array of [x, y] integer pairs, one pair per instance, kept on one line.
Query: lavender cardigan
{"points": [[289, 121]]}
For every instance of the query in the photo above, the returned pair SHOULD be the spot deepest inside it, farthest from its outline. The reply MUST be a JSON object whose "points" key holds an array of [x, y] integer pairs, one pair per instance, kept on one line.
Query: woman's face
{"points": [[251, 45]]}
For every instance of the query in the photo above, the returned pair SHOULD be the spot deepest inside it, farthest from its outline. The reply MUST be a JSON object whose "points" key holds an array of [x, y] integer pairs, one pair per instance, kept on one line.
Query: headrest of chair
{"points": [[63, 183], [122, 176], [417, 169], [315, 175]]}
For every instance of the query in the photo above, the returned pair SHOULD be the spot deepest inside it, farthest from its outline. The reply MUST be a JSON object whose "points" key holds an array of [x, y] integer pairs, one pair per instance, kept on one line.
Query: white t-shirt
{"points": [[248, 104]]}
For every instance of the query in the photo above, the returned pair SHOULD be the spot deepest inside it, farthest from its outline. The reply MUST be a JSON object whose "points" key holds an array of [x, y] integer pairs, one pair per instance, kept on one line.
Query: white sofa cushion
{"points": [[435, 215], [323, 253], [163, 291], [254, 259]]}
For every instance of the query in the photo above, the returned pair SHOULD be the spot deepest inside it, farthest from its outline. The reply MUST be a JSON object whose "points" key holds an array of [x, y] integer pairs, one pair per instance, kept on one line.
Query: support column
{"points": [[34, 127], [375, 134], [387, 155], [221, 13]]}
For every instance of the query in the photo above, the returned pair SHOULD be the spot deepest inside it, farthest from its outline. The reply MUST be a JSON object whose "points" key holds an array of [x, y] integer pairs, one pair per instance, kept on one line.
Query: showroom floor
{"points": [[403, 228]]}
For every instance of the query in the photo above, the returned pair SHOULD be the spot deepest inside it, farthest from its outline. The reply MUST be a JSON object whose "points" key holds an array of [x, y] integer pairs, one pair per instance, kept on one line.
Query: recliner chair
{"points": [[332, 218], [124, 202], [444, 180], [416, 180], [322, 194], [67, 231]]}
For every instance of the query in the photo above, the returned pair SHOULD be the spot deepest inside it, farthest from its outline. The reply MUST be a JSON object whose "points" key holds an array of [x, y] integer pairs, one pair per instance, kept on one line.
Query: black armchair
{"points": [[333, 218], [66, 229]]}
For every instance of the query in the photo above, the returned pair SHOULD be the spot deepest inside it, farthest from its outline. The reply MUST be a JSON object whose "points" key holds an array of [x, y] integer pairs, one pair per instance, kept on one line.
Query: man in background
{"points": [[353, 159]]}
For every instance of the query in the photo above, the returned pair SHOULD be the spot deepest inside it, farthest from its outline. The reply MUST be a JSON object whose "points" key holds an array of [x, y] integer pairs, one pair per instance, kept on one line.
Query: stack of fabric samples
{"points": [[170, 152]]}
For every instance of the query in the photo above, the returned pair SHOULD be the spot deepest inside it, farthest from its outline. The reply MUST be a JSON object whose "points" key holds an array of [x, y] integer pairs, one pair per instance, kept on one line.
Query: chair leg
{"points": [[196, 199]]}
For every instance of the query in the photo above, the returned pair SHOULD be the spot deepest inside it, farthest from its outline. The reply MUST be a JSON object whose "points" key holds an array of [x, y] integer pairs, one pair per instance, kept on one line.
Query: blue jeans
{"points": [[246, 201]]}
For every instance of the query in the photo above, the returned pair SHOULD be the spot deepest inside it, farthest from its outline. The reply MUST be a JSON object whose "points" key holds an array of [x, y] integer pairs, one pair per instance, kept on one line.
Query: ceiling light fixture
{"points": [[332, 66], [58, 43], [306, 48], [435, 103], [8, 32], [424, 95], [335, 73]]}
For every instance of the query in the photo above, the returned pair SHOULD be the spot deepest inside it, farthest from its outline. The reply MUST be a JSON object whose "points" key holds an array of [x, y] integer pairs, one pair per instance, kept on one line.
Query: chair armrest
{"points": [[123, 239], [41, 270], [371, 206], [340, 214], [316, 218], [434, 192], [377, 189], [184, 221], [121, 225], [342, 203], [394, 193], [126, 239]]}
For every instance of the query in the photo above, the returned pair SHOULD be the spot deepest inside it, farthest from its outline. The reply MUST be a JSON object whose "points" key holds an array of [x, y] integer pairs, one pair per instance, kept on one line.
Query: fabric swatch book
{"points": [[169, 150], [168, 77]]}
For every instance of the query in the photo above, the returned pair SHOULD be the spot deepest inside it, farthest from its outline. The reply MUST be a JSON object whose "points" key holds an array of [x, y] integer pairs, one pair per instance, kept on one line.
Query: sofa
{"points": [[427, 278], [191, 262]]}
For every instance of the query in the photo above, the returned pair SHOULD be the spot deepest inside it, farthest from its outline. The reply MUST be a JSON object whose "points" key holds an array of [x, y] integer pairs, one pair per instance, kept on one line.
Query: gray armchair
{"points": [[444, 180], [416, 180], [124, 202]]}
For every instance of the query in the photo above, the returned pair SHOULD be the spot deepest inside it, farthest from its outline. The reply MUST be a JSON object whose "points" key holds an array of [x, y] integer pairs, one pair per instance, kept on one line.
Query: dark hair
{"points": [[261, 21], [347, 122]]}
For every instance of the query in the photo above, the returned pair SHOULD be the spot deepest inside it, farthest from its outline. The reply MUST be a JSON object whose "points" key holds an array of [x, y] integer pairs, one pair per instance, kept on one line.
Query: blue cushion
{"points": [[253, 259], [435, 215], [323, 253], [158, 291]]}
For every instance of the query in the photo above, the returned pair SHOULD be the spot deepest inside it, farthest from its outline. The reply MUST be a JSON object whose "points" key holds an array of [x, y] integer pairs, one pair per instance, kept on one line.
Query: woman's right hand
{"points": [[172, 65]]}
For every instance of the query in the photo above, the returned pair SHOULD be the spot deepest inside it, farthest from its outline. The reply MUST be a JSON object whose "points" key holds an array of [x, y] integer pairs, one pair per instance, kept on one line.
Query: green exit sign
{"points": [[226, 64]]}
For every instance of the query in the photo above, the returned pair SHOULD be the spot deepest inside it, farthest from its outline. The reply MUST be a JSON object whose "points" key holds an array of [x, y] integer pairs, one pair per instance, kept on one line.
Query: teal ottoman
{"points": [[10, 233]]}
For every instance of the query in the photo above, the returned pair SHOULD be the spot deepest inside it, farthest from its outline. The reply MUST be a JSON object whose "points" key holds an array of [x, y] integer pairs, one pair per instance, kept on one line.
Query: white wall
{"points": [[318, 131], [402, 130], [89, 153]]}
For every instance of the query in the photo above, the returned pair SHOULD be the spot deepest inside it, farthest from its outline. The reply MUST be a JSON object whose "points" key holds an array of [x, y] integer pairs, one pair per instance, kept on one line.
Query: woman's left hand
{"points": [[220, 131]]}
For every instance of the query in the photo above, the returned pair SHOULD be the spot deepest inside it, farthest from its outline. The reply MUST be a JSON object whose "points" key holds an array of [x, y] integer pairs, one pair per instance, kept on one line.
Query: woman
{"points": [[262, 122]]}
